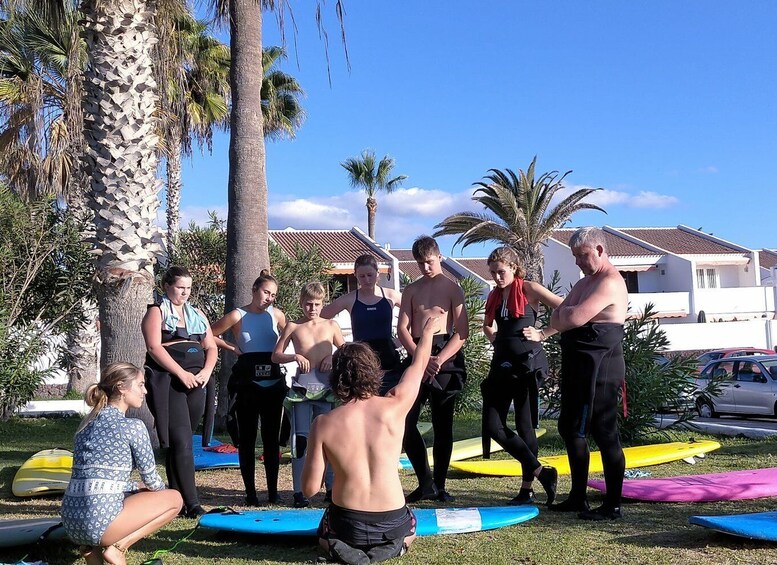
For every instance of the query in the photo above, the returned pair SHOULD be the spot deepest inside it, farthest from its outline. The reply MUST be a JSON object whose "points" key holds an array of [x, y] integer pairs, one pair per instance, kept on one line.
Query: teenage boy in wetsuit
{"points": [[368, 520], [310, 394], [433, 295], [590, 320]]}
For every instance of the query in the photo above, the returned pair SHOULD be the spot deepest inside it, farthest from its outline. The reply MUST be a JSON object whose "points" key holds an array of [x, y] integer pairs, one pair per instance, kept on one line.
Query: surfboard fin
{"points": [[690, 460]]}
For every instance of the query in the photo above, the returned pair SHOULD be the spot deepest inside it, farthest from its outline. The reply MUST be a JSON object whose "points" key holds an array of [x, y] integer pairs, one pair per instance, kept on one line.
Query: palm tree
{"points": [[522, 216], [282, 112], [120, 160], [365, 175], [42, 59], [196, 98]]}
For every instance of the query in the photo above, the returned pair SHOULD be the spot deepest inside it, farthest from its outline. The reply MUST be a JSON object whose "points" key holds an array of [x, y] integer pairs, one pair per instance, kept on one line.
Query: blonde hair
{"points": [[508, 256], [112, 379], [314, 290]]}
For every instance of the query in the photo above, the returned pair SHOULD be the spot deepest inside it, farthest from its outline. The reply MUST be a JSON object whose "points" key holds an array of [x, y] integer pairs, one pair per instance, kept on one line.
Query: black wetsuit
{"points": [[177, 410], [516, 366], [371, 324], [257, 388], [592, 373], [441, 392]]}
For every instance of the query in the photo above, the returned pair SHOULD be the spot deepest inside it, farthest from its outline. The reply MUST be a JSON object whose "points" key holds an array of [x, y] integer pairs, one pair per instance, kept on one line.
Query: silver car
{"points": [[741, 385]]}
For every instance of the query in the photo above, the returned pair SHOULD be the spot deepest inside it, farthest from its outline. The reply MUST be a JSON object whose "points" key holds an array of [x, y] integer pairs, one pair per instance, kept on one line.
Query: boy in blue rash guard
{"points": [[590, 320], [310, 394], [372, 315]]}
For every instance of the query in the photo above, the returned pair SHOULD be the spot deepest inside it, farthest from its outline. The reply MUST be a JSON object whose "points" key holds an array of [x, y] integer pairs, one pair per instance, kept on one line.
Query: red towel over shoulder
{"points": [[516, 301]]}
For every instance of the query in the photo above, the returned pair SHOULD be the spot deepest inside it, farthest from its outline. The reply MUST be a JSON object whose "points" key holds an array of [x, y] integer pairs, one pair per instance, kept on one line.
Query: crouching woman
{"points": [[103, 510]]}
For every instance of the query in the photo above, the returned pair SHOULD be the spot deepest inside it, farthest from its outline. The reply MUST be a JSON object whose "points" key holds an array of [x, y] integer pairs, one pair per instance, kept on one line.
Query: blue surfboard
{"points": [[210, 459], [758, 525], [431, 521]]}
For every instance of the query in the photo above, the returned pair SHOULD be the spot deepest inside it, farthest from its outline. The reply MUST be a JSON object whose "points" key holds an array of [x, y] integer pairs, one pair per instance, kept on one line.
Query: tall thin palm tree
{"points": [[371, 177], [521, 213], [196, 98]]}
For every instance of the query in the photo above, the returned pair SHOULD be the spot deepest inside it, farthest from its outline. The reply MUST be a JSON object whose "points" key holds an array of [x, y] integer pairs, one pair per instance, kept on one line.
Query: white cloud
{"points": [[710, 169], [605, 197]]}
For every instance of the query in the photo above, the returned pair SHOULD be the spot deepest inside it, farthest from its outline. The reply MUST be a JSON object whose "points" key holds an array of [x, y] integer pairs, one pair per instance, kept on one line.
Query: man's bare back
{"points": [[362, 440]]}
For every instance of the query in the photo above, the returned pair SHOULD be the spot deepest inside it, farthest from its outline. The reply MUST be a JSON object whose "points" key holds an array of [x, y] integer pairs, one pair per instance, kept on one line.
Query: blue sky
{"points": [[668, 106]]}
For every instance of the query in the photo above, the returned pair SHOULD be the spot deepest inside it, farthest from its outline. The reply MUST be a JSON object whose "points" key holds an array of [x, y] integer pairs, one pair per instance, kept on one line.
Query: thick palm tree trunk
{"points": [[120, 161], [372, 210], [247, 247], [174, 186]]}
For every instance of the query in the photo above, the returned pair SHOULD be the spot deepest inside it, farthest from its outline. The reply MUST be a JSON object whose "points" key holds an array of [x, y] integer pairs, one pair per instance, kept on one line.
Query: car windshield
{"points": [[771, 366], [711, 356]]}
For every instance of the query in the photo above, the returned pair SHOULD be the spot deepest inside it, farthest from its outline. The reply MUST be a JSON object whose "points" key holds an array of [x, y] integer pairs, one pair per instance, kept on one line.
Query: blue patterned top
{"points": [[106, 452]]}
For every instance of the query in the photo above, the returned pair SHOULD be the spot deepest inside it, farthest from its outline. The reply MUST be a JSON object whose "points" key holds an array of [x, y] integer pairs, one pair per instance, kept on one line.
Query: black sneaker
{"points": [[273, 497], [420, 493], [604, 512], [300, 501], [252, 500], [195, 511], [570, 505], [444, 496], [525, 496]]}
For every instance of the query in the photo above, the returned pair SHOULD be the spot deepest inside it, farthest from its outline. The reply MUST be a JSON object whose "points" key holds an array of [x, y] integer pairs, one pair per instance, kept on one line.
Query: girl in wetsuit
{"points": [[257, 383], [518, 358], [372, 315], [97, 510], [179, 362]]}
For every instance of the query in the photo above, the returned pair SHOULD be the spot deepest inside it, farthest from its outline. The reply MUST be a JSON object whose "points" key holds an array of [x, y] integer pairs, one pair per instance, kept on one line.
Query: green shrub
{"points": [[477, 349], [44, 273]]}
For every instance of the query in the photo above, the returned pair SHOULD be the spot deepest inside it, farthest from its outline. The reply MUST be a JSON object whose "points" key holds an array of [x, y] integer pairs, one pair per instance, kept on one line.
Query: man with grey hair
{"points": [[590, 320]]}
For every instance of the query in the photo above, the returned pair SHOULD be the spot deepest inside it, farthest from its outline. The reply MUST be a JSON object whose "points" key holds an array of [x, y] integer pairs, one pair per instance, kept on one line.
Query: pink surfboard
{"points": [[736, 485]]}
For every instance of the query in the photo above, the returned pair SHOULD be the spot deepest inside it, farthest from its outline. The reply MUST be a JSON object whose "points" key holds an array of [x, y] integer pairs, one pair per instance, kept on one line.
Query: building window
{"points": [[632, 281], [707, 278]]}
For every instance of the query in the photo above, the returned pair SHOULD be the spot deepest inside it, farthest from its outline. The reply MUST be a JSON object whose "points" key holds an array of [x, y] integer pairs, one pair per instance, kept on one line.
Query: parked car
{"points": [[716, 354], [741, 385]]}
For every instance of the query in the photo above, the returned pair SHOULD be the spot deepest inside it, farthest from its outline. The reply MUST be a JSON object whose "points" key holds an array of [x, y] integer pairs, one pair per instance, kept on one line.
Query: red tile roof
{"points": [[680, 241], [767, 258], [409, 266], [336, 246], [477, 265], [617, 246]]}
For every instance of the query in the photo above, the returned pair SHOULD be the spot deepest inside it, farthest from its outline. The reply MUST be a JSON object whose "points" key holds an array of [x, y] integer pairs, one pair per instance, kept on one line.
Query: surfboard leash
{"points": [[156, 559]]}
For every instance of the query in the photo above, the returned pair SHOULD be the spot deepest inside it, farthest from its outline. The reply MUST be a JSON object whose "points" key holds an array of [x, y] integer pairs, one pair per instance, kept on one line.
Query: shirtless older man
{"points": [[368, 520], [433, 295], [590, 320]]}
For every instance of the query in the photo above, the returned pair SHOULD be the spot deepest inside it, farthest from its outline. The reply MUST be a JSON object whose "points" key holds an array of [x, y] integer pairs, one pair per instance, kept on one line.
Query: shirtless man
{"points": [[433, 295], [310, 394], [590, 320], [368, 520]]}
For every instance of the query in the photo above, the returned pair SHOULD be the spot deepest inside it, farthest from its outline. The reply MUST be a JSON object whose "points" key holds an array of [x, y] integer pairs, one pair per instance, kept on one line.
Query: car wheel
{"points": [[705, 409]]}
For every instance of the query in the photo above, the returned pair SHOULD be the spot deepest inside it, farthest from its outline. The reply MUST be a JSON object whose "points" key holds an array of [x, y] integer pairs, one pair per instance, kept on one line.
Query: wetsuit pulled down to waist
{"points": [[592, 373], [191, 357], [255, 369], [357, 536], [453, 373]]}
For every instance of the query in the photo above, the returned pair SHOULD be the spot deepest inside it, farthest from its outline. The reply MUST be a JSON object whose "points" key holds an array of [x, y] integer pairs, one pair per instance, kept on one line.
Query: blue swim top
{"points": [[372, 321], [258, 331]]}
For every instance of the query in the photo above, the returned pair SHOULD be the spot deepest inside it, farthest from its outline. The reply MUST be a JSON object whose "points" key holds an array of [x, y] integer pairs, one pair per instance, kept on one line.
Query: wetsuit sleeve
{"points": [[143, 455]]}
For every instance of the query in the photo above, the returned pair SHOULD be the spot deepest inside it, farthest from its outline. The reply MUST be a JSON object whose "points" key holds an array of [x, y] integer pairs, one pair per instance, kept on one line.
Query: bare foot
{"points": [[114, 556]]}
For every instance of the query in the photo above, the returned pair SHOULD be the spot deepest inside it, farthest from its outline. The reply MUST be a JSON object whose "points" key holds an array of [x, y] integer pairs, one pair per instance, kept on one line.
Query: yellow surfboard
{"points": [[462, 449], [642, 456], [46, 472]]}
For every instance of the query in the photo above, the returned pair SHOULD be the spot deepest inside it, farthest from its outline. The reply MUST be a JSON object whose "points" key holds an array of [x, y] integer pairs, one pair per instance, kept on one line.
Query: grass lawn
{"points": [[649, 533]]}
